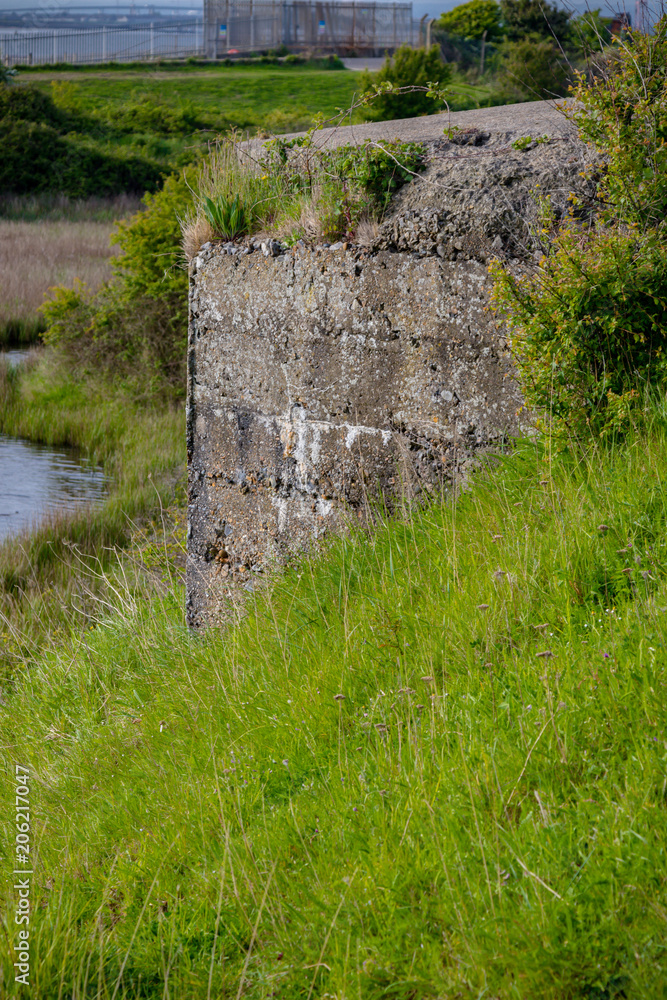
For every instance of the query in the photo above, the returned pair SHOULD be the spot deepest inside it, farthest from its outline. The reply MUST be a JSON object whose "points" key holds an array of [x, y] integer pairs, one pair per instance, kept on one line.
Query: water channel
{"points": [[38, 480]]}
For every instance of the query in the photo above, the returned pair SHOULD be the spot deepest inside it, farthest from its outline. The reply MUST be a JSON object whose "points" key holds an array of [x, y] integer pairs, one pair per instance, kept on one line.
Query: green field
{"points": [[246, 96]]}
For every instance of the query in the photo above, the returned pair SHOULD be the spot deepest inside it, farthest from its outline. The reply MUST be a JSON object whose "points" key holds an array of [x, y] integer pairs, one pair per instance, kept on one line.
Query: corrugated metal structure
{"points": [[233, 26]]}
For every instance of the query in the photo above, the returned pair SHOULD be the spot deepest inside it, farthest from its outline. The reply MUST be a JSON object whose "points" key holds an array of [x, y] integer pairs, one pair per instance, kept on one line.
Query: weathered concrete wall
{"points": [[322, 378]]}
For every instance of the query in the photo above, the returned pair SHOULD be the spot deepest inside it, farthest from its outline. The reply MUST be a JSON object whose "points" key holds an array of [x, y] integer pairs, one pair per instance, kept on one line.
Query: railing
{"points": [[229, 28], [178, 40]]}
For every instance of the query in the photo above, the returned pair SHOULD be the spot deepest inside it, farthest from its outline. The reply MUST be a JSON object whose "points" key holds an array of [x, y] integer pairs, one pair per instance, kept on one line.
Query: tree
{"points": [[408, 68], [471, 20], [532, 70], [523, 18]]}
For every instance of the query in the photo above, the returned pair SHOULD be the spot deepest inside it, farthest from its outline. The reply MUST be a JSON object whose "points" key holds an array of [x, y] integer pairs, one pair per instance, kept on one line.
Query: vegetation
{"points": [[35, 258], [526, 18], [590, 323], [52, 580], [298, 190], [93, 133], [521, 49], [475, 19], [47, 149], [407, 68], [134, 330], [430, 763], [532, 70]]}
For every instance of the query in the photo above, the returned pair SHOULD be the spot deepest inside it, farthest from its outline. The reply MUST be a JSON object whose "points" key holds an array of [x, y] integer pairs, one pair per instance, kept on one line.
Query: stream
{"points": [[39, 480]]}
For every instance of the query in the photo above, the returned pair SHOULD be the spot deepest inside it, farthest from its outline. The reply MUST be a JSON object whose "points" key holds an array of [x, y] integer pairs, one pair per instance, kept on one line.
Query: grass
{"points": [[278, 99], [59, 208], [36, 256], [428, 764], [250, 97], [52, 580]]}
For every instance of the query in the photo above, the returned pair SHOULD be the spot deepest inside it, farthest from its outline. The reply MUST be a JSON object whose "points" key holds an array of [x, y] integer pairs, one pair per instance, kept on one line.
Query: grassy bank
{"points": [[430, 764], [50, 582]]}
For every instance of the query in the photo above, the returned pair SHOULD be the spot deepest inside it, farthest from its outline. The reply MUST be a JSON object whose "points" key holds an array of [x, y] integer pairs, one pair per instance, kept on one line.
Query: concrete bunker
{"points": [[322, 377]]}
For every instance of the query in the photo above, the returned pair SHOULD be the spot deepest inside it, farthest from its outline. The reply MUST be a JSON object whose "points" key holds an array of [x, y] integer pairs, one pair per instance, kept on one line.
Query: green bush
{"points": [[375, 172], [624, 115], [591, 328], [532, 70], [334, 190], [523, 18], [27, 103], [590, 324], [150, 115], [134, 331], [408, 68], [471, 20]]}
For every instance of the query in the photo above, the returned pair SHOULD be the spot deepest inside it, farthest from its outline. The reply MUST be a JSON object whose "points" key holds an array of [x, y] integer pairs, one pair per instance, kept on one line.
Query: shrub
{"points": [[30, 104], [590, 324], [532, 70], [408, 68], [472, 20], [523, 18], [41, 151], [150, 115], [590, 328], [624, 115], [377, 171], [134, 331]]}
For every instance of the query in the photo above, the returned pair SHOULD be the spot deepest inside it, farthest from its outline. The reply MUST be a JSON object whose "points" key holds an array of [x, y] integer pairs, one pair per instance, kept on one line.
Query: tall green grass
{"points": [[49, 576], [428, 764]]}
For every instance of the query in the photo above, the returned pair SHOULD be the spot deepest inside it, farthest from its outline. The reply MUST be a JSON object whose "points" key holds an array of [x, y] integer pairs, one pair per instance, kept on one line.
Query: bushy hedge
{"points": [[589, 324]]}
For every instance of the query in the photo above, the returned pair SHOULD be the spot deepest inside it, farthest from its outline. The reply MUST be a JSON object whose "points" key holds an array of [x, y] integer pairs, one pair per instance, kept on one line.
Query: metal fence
{"points": [[124, 43], [229, 27], [233, 26]]}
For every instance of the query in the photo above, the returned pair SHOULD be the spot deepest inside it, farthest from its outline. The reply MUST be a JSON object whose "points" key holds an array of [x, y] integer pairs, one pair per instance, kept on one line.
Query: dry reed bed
{"points": [[34, 256]]}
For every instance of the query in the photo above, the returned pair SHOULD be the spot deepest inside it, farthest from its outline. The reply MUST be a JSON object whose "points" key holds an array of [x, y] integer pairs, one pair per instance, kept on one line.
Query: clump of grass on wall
{"points": [[296, 189], [590, 323]]}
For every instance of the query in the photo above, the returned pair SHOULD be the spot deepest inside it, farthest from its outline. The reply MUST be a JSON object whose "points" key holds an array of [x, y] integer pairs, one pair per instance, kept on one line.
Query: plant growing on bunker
{"points": [[297, 188]]}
